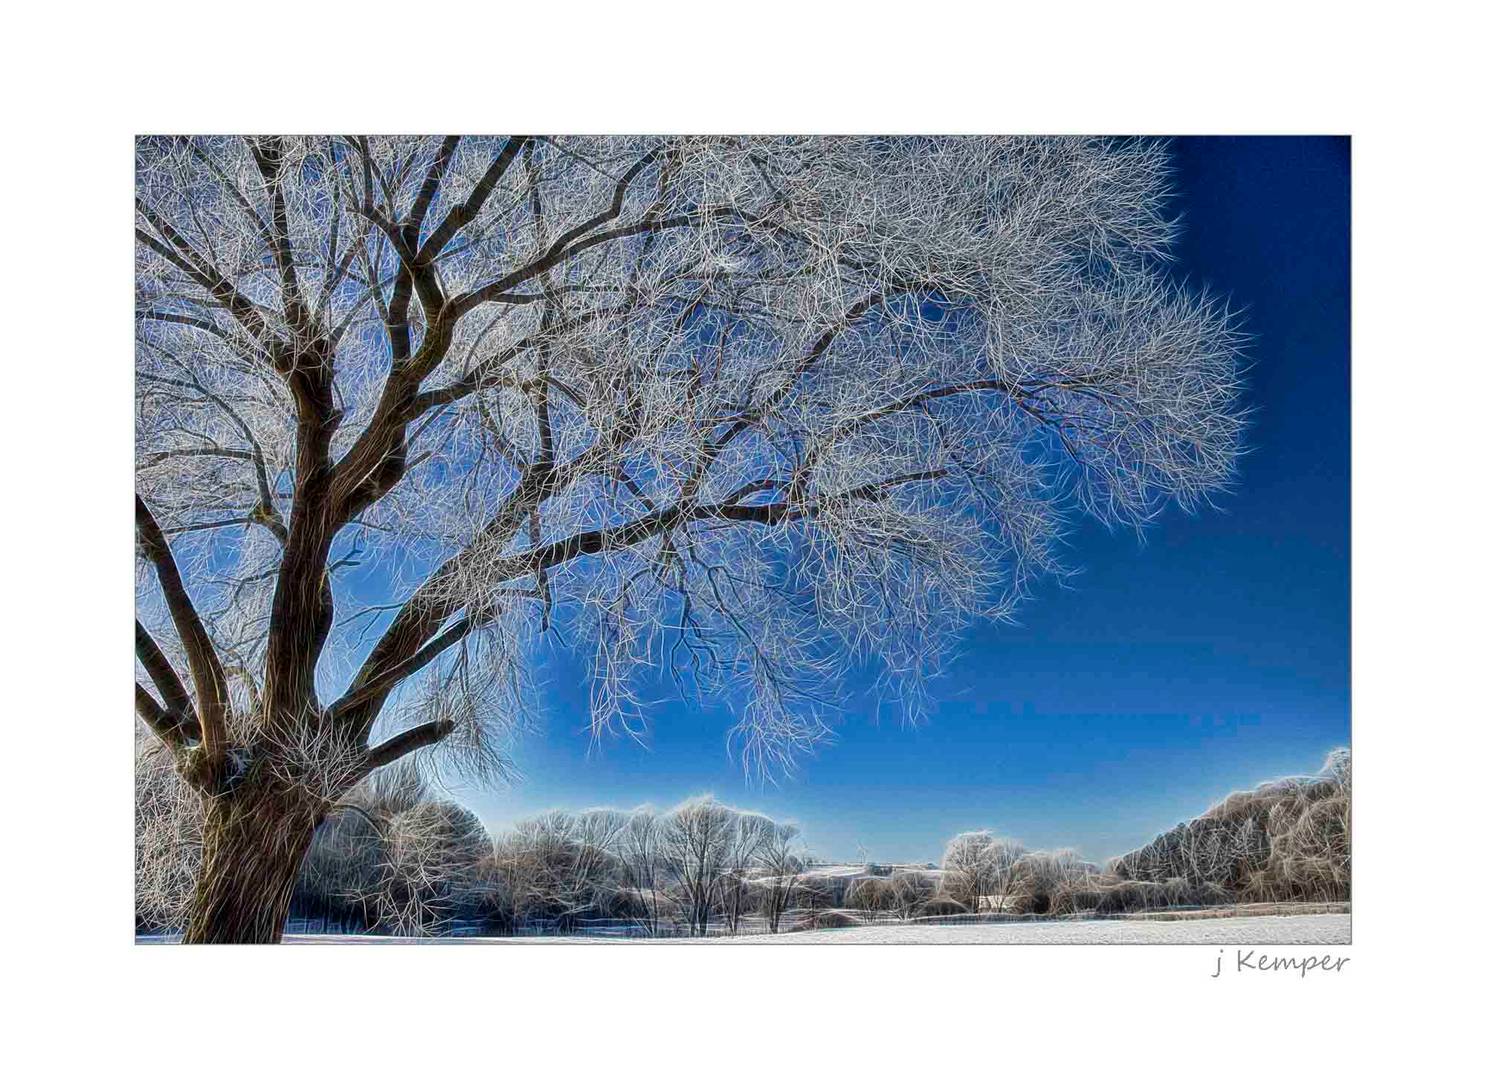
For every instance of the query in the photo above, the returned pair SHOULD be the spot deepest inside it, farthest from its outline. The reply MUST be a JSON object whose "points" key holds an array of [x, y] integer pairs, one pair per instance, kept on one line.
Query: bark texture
{"points": [[254, 842]]}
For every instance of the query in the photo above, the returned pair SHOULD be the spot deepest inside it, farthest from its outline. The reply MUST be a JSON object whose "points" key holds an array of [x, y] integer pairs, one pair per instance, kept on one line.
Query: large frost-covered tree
{"points": [[755, 412]]}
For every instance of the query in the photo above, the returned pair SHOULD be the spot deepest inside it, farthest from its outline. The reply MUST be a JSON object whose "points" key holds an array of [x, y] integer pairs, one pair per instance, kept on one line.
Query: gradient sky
{"points": [[1170, 671]]}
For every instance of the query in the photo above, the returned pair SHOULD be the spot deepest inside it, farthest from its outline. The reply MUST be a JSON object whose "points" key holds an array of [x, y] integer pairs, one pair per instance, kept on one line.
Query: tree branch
{"points": [[405, 742], [167, 727], [177, 251], [405, 646], [498, 290], [162, 673], [431, 182], [379, 686], [268, 155], [466, 211], [206, 668]]}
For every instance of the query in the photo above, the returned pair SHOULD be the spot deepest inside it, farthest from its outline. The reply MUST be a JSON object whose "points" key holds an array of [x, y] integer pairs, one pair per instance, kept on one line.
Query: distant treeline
{"points": [[395, 859]]}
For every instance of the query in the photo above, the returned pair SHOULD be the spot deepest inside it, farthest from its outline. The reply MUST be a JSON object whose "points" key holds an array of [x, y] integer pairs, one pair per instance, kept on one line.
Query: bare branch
{"points": [[206, 669], [406, 742]]}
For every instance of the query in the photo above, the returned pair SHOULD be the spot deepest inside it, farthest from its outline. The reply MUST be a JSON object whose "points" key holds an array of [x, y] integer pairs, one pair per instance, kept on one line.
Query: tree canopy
{"points": [[752, 412]]}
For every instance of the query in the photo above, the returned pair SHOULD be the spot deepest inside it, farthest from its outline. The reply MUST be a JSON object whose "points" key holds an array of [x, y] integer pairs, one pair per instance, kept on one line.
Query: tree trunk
{"points": [[253, 844]]}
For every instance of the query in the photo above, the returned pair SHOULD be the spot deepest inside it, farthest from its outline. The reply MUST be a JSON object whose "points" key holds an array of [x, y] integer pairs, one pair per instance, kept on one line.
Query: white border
{"points": [[80, 83]]}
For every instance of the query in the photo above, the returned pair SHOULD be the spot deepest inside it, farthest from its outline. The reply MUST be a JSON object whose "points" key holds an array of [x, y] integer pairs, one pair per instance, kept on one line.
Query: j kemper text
{"points": [[1245, 960]]}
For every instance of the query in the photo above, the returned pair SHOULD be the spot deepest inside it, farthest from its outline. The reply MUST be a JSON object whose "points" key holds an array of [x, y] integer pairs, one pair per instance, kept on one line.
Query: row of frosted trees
{"points": [[1286, 841], [395, 859], [701, 867]]}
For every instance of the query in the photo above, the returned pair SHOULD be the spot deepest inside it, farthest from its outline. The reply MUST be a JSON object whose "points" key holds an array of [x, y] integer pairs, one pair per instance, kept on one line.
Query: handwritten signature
{"points": [[1254, 960]]}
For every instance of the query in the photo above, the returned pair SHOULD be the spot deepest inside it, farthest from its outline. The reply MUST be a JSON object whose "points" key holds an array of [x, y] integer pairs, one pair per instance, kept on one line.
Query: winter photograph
{"points": [[640, 540], [675, 539]]}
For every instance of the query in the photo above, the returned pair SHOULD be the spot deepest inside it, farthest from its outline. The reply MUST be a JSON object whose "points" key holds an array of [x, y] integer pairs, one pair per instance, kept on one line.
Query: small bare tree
{"points": [[561, 866], [697, 843], [977, 865], [749, 837], [908, 892], [782, 861], [432, 857], [407, 862], [640, 855], [760, 410], [873, 895], [1039, 877]]}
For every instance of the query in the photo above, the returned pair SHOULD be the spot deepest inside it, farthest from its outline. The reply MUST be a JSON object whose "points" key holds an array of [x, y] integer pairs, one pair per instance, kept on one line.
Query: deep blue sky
{"points": [[1171, 671]]}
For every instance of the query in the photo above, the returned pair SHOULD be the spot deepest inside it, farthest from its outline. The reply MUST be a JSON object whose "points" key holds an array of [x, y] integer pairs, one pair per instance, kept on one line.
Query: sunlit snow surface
{"points": [[1260, 930]]}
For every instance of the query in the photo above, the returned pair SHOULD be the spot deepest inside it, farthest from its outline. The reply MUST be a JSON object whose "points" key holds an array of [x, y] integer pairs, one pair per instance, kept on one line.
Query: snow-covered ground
{"points": [[1261, 930], [1255, 930]]}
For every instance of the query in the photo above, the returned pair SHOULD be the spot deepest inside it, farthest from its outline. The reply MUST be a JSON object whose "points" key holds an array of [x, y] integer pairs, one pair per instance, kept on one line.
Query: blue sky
{"points": [[1173, 669]]}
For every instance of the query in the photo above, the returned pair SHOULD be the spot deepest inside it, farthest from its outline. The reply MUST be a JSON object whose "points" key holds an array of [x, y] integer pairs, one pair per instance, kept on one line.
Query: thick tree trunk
{"points": [[253, 844]]}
